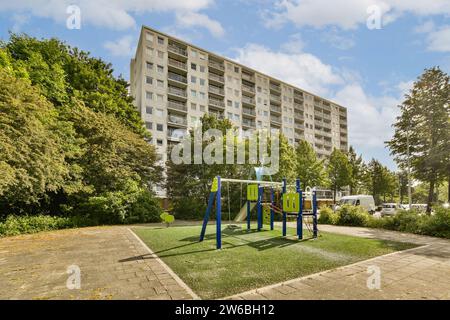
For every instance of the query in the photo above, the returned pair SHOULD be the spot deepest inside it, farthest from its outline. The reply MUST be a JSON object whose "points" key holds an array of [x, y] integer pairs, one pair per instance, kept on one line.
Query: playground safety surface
{"points": [[115, 264]]}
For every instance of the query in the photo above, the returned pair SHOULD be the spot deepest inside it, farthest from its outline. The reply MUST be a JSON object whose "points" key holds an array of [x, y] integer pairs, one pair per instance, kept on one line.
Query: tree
{"points": [[339, 171], [403, 184], [308, 169], [424, 128], [357, 165]]}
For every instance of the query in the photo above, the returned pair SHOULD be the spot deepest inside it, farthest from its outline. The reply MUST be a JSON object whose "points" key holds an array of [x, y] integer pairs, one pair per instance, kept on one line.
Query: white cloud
{"points": [[439, 40], [194, 19], [301, 69], [122, 47], [348, 14], [113, 14], [337, 40]]}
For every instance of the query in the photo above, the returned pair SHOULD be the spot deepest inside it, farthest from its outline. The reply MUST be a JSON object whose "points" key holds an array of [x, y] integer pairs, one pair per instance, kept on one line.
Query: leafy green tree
{"points": [[357, 165], [63, 72], [424, 126], [309, 169], [339, 171]]}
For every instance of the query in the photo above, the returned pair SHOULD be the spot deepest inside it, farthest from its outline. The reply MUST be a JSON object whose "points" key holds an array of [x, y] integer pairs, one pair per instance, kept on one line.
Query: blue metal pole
{"points": [[284, 212], [207, 213], [315, 214], [272, 201], [218, 215], [300, 211], [248, 214], [259, 208]]}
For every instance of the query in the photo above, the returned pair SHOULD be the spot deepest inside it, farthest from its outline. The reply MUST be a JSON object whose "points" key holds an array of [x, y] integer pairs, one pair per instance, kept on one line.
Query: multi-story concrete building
{"points": [[174, 83]]}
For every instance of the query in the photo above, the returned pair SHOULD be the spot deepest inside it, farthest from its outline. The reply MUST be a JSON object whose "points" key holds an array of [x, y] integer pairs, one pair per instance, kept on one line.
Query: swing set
{"points": [[296, 203]]}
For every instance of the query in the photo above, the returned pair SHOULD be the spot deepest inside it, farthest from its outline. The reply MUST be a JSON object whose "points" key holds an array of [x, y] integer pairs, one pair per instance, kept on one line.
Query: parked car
{"points": [[389, 209], [365, 201]]}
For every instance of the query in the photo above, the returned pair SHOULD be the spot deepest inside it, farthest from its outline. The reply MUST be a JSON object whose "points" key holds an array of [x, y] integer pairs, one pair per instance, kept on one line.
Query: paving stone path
{"points": [[114, 264], [418, 273]]}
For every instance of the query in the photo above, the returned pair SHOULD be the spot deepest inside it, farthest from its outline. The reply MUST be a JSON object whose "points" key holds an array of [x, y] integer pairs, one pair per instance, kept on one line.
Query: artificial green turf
{"points": [[253, 259]]}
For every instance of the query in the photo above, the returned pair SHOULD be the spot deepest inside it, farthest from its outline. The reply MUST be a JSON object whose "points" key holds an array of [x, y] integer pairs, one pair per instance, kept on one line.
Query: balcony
{"points": [[248, 89], [326, 116], [275, 87], [177, 93], [275, 99], [175, 105], [327, 143], [216, 65], [216, 103], [343, 120], [298, 97], [275, 109], [275, 119], [249, 112], [299, 116], [218, 115], [299, 127], [176, 120], [176, 134], [177, 51], [177, 79], [248, 101], [216, 90], [248, 77], [248, 123], [216, 78], [299, 107], [177, 64], [299, 136]]}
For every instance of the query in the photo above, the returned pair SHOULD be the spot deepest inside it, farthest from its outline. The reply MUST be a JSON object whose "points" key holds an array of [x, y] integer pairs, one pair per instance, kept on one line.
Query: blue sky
{"points": [[323, 46]]}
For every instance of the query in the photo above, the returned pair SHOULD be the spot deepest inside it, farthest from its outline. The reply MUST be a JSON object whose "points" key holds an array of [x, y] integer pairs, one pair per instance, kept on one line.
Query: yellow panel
{"points": [[266, 214], [291, 202], [215, 185], [252, 192]]}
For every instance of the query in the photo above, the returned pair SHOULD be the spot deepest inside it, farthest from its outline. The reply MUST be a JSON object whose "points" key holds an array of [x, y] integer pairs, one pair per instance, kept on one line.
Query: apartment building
{"points": [[174, 83]]}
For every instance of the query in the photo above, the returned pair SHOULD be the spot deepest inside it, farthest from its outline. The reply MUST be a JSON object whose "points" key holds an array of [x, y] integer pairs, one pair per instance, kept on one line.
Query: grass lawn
{"points": [[253, 259]]}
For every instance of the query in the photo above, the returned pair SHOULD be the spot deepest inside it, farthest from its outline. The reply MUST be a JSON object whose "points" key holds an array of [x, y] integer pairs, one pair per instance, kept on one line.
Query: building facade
{"points": [[174, 83]]}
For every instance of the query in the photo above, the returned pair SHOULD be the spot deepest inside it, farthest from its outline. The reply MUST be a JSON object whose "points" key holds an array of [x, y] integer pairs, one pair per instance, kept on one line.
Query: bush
{"points": [[437, 225], [328, 216], [352, 216], [15, 225]]}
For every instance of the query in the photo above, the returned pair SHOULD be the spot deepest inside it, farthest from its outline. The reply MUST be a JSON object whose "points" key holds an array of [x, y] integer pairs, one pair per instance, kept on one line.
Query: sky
{"points": [[362, 54]]}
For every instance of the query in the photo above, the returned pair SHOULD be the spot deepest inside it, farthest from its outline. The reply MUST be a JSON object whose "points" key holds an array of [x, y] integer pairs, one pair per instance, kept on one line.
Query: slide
{"points": [[243, 212]]}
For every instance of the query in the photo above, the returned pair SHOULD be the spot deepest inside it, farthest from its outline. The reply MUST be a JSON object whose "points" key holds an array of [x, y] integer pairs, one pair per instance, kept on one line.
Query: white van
{"points": [[365, 201], [389, 209]]}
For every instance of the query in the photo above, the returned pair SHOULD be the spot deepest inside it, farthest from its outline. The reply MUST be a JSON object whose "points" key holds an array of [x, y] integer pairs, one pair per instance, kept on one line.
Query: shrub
{"points": [[328, 216], [15, 225], [352, 216], [437, 225]]}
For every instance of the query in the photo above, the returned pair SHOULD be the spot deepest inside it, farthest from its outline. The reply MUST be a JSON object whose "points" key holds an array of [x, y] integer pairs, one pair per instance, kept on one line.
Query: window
{"points": [[259, 100], [202, 82], [266, 114], [236, 104], [202, 108], [236, 93], [236, 69], [159, 142], [149, 95], [193, 79], [202, 69], [148, 110], [159, 112], [202, 95], [149, 37], [159, 127], [160, 54], [160, 40], [193, 106], [237, 117], [193, 53], [202, 56], [149, 51], [149, 125], [149, 66], [148, 80], [229, 115], [193, 66], [160, 97], [193, 93], [160, 84], [229, 103], [193, 119], [160, 69], [229, 79], [259, 89]]}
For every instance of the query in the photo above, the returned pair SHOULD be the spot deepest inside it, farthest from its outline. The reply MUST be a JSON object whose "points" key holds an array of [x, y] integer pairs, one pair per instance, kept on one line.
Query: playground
{"points": [[253, 259]]}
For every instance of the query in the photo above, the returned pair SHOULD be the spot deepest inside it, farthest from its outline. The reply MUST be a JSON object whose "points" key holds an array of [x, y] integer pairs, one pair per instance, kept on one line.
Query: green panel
{"points": [[252, 192], [291, 202], [266, 214]]}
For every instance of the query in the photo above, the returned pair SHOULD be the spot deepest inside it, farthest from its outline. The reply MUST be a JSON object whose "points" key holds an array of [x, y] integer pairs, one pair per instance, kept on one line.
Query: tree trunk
{"points": [[430, 195], [448, 191]]}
